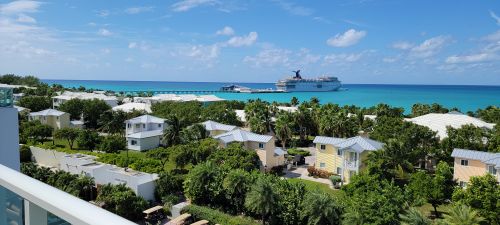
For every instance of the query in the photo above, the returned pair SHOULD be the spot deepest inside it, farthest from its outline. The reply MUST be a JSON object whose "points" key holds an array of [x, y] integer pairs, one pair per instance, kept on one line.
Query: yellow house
{"points": [[213, 128], [54, 118], [469, 163], [342, 156], [269, 155]]}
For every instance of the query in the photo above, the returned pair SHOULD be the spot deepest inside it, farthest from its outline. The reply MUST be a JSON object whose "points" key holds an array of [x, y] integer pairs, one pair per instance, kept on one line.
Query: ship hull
{"points": [[309, 86]]}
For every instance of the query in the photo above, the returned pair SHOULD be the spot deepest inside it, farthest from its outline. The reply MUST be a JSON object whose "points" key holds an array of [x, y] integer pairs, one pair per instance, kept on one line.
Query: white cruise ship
{"points": [[297, 83]]}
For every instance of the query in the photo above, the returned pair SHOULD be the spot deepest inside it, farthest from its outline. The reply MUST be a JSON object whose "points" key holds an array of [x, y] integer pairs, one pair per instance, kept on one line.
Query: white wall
{"points": [[9, 138], [49, 158], [144, 143]]}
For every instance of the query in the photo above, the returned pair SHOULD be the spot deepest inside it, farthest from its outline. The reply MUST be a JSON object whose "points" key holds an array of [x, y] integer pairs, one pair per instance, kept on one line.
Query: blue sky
{"points": [[360, 41]]}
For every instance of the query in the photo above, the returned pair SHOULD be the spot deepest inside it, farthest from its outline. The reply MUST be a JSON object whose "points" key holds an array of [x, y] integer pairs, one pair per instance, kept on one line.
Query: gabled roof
{"points": [[279, 151], [146, 134], [48, 112], [212, 125], [358, 143], [485, 157], [242, 136], [129, 107], [146, 119]]}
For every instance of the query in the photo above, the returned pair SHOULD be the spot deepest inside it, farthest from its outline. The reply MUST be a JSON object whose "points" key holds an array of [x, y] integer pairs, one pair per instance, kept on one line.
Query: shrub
{"points": [[113, 143], [335, 179], [318, 173], [294, 151], [216, 217], [277, 170], [25, 153]]}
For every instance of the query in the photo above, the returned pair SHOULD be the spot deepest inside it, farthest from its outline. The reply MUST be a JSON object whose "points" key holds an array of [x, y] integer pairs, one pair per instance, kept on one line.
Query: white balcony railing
{"points": [[351, 165], [57, 202]]}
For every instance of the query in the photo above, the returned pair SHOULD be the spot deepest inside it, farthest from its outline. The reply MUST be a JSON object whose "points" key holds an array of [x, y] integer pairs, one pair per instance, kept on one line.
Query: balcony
{"points": [[29, 201], [351, 165]]}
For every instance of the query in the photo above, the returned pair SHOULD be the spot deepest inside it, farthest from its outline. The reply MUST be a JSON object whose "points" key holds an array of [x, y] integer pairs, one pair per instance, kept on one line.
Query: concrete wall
{"points": [[49, 158], [9, 138], [144, 143]]}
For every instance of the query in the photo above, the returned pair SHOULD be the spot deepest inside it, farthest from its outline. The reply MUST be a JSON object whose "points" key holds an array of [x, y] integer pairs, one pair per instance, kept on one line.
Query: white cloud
{"points": [[305, 57], [240, 41], [148, 65], [348, 38], [132, 45], [492, 37], [137, 10], [186, 5], [205, 53], [294, 9], [402, 45], [495, 17], [473, 58], [22, 6], [106, 50], [129, 59], [104, 32], [342, 58], [227, 30], [103, 13], [25, 19], [430, 47], [390, 59], [269, 57]]}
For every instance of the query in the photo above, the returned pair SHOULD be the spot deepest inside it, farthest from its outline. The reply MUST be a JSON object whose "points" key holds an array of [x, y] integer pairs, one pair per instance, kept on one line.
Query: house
{"points": [[131, 106], [269, 155], [144, 132], [343, 156], [214, 128], [439, 121], [469, 163], [54, 118], [22, 110], [204, 99], [112, 101]]}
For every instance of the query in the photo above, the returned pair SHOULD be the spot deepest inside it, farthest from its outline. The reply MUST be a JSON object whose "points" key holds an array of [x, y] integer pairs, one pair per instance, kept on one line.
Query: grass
{"points": [[428, 210], [313, 186]]}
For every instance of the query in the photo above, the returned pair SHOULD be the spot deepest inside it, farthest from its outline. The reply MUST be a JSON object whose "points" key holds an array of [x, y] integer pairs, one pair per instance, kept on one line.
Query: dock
{"points": [[154, 92]]}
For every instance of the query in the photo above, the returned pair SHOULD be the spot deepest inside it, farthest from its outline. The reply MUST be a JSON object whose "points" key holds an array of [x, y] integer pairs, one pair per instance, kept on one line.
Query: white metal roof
{"points": [[67, 95], [279, 151], [476, 155], [438, 122], [212, 125], [146, 119], [288, 108], [129, 107], [48, 112], [240, 135], [146, 134], [358, 143], [20, 109]]}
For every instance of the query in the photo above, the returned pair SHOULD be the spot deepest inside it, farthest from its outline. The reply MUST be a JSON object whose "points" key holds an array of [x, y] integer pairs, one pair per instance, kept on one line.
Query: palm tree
{"points": [[282, 128], [294, 101], [320, 208], [353, 217], [171, 135], [414, 217], [462, 215], [261, 199]]}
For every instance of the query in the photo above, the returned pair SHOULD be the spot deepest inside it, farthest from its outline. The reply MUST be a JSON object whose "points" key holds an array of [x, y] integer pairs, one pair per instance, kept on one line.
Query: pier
{"points": [[199, 91]]}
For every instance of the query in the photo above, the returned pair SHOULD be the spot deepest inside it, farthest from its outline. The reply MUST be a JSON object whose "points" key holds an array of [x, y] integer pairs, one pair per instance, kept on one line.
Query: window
{"points": [[492, 170], [137, 125], [261, 145], [129, 125], [339, 170], [133, 142], [57, 117], [464, 162], [339, 153], [143, 125], [159, 125], [322, 147], [319, 86], [322, 165], [462, 184]]}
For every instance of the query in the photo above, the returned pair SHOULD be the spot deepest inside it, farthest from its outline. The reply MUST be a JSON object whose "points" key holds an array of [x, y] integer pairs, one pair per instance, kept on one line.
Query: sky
{"points": [[359, 41]]}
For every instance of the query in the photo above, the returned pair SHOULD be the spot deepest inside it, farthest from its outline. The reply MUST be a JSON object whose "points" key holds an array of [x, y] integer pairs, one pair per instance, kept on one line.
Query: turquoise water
{"points": [[466, 98]]}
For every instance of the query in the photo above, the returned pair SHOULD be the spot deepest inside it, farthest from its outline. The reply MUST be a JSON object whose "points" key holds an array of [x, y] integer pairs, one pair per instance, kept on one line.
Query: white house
{"points": [[54, 118], [112, 101], [205, 99], [269, 155], [144, 132], [439, 121], [215, 128]]}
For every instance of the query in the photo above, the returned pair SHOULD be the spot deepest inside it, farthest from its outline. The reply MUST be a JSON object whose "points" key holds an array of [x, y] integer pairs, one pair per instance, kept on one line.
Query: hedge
{"points": [[216, 217]]}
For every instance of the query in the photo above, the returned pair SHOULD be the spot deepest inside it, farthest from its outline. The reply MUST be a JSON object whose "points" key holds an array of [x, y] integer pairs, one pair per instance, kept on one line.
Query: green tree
{"points": [[235, 157], [25, 153], [261, 199], [483, 195], [187, 113], [413, 216], [441, 186], [222, 112], [171, 135], [320, 208], [294, 101], [203, 185], [283, 127], [236, 185], [490, 114], [113, 144], [69, 134], [112, 121], [37, 131], [74, 107], [466, 137], [122, 201], [258, 116], [88, 139], [36, 103], [463, 215], [193, 133], [92, 112], [168, 184]]}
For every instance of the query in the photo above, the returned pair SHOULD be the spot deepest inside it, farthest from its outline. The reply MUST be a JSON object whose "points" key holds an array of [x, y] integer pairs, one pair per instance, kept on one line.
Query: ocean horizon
{"points": [[464, 97]]}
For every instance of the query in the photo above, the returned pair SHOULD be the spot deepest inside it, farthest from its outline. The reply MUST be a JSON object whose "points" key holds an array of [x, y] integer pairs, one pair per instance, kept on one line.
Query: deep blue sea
{"points": [[466, 98]]}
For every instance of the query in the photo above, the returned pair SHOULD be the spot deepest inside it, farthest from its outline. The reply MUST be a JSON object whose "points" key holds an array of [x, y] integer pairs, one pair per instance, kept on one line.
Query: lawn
{"points": [[428, 210], [312, 186]]}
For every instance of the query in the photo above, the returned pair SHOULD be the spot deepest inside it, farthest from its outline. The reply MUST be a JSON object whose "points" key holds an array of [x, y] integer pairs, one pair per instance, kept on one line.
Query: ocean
{"points": [[464, 97]]}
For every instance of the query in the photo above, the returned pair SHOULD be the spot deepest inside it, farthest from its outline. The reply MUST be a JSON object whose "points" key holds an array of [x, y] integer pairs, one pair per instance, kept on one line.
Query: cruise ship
{"points": [[297, 83]]}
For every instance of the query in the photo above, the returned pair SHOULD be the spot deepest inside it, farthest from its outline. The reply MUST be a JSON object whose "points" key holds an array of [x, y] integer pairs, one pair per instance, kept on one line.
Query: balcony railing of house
{"points": [[352, 165], [28, 201]]}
